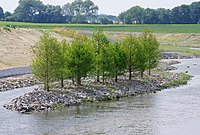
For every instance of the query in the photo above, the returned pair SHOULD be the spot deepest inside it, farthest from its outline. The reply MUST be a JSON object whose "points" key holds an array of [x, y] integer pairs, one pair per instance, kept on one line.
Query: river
{"points": [[173, 111]]}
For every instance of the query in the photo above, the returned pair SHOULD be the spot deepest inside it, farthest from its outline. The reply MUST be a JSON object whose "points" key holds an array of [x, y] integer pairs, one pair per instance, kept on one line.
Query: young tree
{"points": [[45, 62], [120, 60], [80, 58], [106, 62], [151, 46], [62, 71], [99, 40], [141, 58], [129, 44]]}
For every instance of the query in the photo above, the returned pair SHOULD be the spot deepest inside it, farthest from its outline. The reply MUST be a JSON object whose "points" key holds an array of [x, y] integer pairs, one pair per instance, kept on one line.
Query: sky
{"points": [[111, 7]]}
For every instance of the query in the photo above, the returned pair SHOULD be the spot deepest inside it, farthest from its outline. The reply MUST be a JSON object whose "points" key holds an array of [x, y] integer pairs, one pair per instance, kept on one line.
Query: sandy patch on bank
{"points": [[180, 39], [15, 46]]}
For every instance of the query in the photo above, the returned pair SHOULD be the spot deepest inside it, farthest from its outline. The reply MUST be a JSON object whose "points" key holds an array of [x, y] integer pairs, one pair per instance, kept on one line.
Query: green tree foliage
{"points": [[45, 63], [105, 20], [120, 60], [62, 71], [151, 16], [141, 58], [129, 44], [80, 58], [80, 11], [133, 15], [68, 12], [124, 18], [28, 10], [183, 14], [35, 11], [137, 14], [151, 46], [194, 11], [52, 14], [99, 40], [7, 14], [142, 53], [164, 16], [106, 62], [57, 61], [1, 13]]}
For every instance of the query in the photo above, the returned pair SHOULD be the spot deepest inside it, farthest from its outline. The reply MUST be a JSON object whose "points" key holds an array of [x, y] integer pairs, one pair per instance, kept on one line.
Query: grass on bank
{"points": [[158, 28], [65, 32], [180, 49], [182, 80]]}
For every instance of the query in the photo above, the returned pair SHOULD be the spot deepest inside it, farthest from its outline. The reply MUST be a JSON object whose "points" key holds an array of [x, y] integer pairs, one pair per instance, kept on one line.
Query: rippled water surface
{"points": [[170, 112]]}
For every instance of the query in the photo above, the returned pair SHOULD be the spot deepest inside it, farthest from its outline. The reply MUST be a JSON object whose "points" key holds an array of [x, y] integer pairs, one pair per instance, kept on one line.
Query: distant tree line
{"points": [[35, 11], [184, 14], [80, 11], [96, 57]]}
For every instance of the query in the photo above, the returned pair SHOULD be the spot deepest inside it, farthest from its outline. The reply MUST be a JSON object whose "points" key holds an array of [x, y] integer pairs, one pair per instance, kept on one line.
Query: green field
{"points": [[158, 28]]}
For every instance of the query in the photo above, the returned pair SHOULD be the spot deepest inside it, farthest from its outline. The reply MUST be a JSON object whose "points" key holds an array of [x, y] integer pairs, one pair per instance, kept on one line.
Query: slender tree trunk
{"points": [[116, 79], [73, 81], [142, 74], [47, 81], [130, 75], [98, 80], [78, 80], [46, 70], [62, 82], [130, 59], [149, 71], [46, 85], [103, 78]]}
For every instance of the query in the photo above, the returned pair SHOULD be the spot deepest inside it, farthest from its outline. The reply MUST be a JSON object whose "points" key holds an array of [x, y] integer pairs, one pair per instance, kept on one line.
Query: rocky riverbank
{"points": [[173, 55], [11, 83], [39, 100]]}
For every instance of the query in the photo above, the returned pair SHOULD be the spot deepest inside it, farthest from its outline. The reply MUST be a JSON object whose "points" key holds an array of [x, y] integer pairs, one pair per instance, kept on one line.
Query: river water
{"points": [[173, 111]]}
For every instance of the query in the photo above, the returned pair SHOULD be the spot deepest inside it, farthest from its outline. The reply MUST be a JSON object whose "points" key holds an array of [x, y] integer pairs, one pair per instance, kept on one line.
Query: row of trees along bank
{"points": [[184, 14], [96, 57], [80, 11]]}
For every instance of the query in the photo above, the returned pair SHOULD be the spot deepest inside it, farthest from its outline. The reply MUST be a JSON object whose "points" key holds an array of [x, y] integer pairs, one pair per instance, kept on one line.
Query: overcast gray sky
{"points": [[113, 7]]}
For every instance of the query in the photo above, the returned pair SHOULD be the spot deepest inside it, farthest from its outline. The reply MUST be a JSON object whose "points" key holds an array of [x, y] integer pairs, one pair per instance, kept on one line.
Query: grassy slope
{"points": [[158, 28], [183, 34]]}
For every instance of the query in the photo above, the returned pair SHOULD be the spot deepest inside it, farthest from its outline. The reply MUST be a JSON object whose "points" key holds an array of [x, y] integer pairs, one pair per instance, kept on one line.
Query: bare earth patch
{"points": [[15, 46], [180, 39]]}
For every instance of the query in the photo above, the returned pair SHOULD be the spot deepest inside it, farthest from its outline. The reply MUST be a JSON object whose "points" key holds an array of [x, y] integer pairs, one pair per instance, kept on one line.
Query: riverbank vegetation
{"points": [[185, 50], [183, 79], [94, 70], [174, 43], [90, 91], [85, 57]]}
